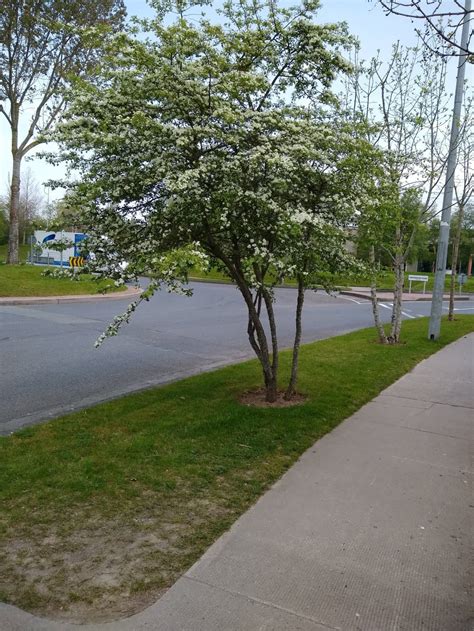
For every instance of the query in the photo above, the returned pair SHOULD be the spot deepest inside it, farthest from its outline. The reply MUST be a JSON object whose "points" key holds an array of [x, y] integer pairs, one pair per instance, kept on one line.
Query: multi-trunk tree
{"points": [[221, 139], [43, 45]]}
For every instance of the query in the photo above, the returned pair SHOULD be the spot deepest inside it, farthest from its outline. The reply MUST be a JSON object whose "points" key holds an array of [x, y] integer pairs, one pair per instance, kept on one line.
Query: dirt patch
{"points": [[103, 569], [256, 398]]}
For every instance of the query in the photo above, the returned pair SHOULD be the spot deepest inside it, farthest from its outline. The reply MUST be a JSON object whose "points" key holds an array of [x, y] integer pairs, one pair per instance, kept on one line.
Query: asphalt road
{"points": [[49, 366]]}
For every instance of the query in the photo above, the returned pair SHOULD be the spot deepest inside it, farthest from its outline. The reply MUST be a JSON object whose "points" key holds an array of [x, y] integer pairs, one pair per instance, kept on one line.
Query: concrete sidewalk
{"points": [[384, 296], [369, 531]]}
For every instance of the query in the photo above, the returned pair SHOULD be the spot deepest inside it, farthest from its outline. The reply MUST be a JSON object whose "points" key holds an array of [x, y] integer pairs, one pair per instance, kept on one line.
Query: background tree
{"points": [[61, 214], [3, 220], [429, 233], [217, 139], [30, 206], [43, 44], [404, 106], [442, 19]]}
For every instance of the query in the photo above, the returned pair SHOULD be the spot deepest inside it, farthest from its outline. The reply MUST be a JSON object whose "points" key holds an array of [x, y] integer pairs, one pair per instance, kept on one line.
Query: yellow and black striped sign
{"points": [[76, 261]]}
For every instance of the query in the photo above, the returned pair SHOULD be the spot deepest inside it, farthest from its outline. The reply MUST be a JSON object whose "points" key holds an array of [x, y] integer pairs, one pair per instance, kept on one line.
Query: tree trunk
{"points": [[374, 299], [396, 327], [257, 336], [255, 329], [454, 261], [260, 345], [291, 390], [271, 395], [14, 233]]}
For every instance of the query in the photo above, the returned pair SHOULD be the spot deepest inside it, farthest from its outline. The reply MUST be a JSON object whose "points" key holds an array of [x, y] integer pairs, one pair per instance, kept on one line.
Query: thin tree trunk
{"points": [[14, 232], [291, 390], [395, 330], [454, 261], [374, 299]]}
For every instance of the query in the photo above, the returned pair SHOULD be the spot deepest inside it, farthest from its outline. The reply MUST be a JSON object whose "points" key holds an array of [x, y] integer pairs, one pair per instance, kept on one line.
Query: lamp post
{"points": [[443, 240]]}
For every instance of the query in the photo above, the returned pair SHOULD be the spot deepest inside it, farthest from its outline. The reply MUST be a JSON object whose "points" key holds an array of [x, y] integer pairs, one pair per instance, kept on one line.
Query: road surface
{"points": [[49, 366]]}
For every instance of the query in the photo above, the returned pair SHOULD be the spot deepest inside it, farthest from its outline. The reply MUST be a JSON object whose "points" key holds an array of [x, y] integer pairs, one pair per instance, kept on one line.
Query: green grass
{"points": [[385, 280], [24, 250], [27, 280], [137, 488]]}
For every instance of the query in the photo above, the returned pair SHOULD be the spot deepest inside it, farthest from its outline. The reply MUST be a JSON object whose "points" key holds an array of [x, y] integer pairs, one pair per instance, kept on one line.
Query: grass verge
{"points": [[23, 251], [385, 280], [27, 280], [105, 508]]}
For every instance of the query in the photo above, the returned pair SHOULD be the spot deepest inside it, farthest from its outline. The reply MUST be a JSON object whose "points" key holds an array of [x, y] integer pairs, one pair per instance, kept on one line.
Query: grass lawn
{"points": [[27, 280], [24, 250], [385, 280], [105, 508]]}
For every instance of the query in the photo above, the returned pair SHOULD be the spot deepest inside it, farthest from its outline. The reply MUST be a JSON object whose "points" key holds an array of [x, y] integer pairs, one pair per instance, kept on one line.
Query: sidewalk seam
{"points": [[416, 429], [430, 464], [453, 405], [262, 602]]}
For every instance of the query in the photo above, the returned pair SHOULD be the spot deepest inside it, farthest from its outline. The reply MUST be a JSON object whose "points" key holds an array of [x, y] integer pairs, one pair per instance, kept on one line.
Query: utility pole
{"points": [[443, 240]]}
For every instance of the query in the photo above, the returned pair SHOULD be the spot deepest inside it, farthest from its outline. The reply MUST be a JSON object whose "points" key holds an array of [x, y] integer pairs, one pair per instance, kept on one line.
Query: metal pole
{"points": [[443, 240]]}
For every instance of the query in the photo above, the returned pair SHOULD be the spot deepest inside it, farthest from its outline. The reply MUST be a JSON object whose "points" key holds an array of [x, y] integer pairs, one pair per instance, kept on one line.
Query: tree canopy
{"points": [[224, 138]]}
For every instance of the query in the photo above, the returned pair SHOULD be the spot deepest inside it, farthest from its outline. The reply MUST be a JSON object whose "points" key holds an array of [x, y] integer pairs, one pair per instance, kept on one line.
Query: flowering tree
{"points": [[217, 139]]}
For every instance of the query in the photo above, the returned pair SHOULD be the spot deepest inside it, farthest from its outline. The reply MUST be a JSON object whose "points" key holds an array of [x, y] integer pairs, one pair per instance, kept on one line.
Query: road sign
{"points": [[419, 279], [462, 278], [422, 279], [76, 261]]}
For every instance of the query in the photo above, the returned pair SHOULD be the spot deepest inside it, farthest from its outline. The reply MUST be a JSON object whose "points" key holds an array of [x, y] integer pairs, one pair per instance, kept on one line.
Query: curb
{"points": [[131, 292]]}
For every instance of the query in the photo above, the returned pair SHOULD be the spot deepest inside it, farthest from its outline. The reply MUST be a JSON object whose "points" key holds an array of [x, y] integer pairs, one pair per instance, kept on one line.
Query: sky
{"points": [[365, 19]]}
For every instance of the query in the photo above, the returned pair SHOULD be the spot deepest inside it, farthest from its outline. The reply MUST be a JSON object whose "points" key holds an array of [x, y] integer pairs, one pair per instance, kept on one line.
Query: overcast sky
{"points": [[364, 17]]}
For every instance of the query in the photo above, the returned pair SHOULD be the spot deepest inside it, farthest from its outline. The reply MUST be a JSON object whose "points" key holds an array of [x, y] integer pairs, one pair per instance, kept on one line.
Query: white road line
{"points": [[353, 300], [407, 315], [463, 308]]}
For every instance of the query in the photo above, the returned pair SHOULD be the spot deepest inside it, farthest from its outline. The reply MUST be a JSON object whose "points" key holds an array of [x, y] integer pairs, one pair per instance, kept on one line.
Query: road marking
{"points": [[407, 315], [353, 300]]}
